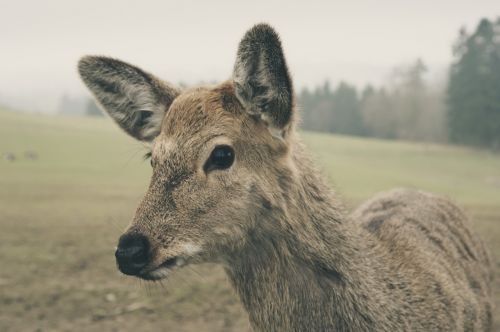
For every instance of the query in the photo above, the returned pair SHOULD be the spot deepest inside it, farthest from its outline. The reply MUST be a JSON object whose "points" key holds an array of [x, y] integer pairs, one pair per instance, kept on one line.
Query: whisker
{"points": [[198, 275], [115, 224]]}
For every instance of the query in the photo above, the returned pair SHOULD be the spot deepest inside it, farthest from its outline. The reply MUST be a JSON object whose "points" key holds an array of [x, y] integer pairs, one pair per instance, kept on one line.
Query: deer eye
{"points": [[222, 157]]}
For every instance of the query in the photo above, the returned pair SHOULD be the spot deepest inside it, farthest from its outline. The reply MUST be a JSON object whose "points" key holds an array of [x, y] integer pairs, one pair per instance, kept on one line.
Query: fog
{"points": [[192, 41]]}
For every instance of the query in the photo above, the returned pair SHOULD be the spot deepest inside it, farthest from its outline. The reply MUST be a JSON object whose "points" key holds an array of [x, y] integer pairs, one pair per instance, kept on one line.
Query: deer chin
{"points": [[164, 269], [189, 254]]}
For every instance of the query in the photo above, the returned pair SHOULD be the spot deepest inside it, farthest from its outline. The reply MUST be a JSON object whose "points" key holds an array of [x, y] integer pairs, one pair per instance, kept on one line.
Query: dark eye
{"points": [[222, 157]]}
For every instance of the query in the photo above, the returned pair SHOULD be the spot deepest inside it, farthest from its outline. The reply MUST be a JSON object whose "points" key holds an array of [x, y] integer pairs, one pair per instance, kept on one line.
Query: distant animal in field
{"points": [[9, 156], [31, 155], [233, 184]]}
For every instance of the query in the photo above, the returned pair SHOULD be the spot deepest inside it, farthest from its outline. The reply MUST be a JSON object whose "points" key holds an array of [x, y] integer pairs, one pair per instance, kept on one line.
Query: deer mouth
{"points": [[164, 269]]}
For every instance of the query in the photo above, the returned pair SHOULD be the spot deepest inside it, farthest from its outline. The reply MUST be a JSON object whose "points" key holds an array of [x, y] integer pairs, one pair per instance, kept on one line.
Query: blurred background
{"points": [[391, 94]]}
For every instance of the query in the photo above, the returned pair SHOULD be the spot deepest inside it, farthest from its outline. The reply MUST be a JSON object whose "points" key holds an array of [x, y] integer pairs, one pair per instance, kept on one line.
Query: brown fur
{"points": [[403, 261]]}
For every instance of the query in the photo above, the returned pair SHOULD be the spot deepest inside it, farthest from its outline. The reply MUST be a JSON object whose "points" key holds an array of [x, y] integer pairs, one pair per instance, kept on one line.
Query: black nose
{"points": [[132, 253]]}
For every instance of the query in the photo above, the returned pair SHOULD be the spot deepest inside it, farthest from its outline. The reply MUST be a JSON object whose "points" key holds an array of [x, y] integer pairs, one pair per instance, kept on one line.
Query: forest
{"points": [[463, 110]]}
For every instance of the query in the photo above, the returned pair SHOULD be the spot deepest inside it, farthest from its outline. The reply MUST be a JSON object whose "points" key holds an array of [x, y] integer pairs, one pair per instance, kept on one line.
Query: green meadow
{"points": [[61, 216]]}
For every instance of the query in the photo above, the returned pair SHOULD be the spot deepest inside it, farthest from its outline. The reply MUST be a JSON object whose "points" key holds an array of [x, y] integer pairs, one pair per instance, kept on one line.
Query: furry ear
{"points": [[261, 79], [136, 100]]}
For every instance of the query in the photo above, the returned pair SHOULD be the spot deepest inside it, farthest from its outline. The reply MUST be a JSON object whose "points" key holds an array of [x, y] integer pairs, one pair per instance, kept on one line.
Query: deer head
{"points": [[216, 154]]}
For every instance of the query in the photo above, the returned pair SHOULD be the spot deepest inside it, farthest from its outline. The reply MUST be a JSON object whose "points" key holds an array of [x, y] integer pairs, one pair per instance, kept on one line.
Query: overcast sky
{"points": [[191, 41]]}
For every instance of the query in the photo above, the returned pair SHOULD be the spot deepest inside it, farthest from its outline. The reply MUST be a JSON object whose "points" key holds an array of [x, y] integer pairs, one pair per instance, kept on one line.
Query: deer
{"points": [[9, 156], [232, 184]]}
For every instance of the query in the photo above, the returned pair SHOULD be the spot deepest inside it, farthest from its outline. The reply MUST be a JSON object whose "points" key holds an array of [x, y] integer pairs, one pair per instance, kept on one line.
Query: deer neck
{"points": [[307, 269]]}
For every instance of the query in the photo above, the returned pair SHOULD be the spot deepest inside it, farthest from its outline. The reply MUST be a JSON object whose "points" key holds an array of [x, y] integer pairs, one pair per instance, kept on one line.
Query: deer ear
{"points": [[261, 79], [136, 100]]}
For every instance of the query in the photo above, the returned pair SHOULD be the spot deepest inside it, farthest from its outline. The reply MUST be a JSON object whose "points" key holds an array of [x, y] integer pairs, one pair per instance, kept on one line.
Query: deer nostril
{"points": [[132, 253]]}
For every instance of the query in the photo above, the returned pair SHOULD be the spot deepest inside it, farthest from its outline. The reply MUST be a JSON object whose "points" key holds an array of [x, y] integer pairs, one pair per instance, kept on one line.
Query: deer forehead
{"points": [[201, 114]]}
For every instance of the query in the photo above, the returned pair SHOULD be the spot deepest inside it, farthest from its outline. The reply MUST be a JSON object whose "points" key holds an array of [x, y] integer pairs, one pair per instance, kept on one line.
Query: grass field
{"points": [[61, 215]]}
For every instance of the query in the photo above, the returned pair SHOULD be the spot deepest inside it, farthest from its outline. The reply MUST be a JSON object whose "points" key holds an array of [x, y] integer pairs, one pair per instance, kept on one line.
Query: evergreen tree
{"points": [[335, 111], [346, 111], [474, 87]]}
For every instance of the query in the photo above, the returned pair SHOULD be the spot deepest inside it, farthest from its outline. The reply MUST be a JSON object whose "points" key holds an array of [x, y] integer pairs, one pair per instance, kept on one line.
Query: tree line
{"points": [[466, 111], [406, 108]]}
